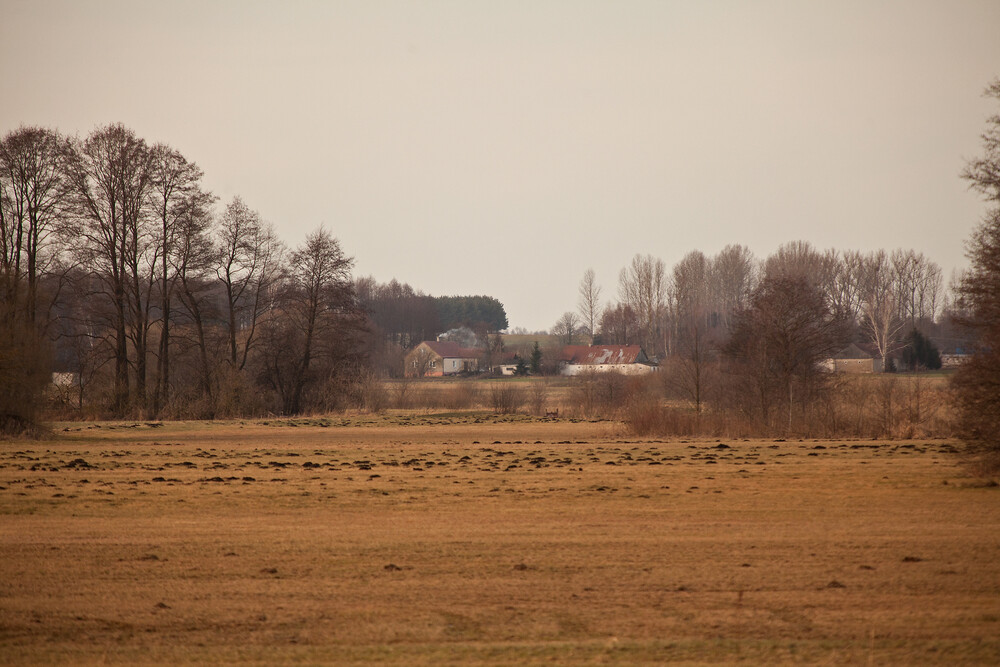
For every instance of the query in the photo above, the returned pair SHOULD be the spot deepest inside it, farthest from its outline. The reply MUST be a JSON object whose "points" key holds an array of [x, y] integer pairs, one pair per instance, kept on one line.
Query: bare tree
{"points": [[976, 382], [249, 261], [193, 262], [690, 306], [777, 344], [918, 284], [111, 177], [733, 278], [880, 305], [33, 198], [929, 292], [175, 194], [589, 306], [33, 189], [566, 328], [642, 286], [983, 173], [846, 293], [320, 307], [800, 260], [493, 352], [977, 388], [619, 325]]}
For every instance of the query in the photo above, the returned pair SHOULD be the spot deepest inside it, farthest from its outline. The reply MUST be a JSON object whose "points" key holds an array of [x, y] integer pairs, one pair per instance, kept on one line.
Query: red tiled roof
{"points": [[603, 354], [447, 349]]}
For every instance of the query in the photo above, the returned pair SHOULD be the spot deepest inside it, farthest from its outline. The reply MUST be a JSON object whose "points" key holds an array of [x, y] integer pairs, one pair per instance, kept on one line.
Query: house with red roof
{"points": [[625, 359], [435, 358]]}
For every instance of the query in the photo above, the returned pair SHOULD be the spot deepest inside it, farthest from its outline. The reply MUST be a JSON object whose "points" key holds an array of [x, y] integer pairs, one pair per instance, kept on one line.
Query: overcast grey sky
{"points": [[502, 148]]}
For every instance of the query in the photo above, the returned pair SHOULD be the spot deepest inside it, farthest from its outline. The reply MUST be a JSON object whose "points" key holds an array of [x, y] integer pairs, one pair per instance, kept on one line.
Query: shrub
{"points": [[647, 417], [538, 394], [24, 375], [235, 396], [850, 406], [372, 395], [506, 398], [401, 391], [460, 396]]}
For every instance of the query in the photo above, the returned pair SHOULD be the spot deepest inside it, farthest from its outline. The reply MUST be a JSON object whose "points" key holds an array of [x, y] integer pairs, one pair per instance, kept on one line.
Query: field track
{"points": [[450, 538]]}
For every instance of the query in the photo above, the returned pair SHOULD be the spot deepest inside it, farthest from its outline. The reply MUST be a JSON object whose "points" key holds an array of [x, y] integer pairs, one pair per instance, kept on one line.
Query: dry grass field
{"points": [[458, 538]]}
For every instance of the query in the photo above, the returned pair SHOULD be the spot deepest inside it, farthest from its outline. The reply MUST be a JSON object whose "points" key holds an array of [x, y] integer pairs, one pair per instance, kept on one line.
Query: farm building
{"points": [[434, 358], [853, 359], [625, 359], [953, 360]]}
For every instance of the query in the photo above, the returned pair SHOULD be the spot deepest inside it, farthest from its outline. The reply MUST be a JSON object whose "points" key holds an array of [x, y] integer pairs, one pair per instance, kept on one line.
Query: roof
{"points": [[447, 349], [593, 355], [853, 351]]}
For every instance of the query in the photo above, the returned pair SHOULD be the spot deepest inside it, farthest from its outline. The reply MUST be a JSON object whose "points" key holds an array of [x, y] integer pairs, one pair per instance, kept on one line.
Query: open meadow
{"points": [[465, 537]]}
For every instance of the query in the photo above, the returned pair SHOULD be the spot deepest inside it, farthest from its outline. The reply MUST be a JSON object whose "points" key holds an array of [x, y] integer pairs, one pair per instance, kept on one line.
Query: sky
{"points": [[503, 148]]}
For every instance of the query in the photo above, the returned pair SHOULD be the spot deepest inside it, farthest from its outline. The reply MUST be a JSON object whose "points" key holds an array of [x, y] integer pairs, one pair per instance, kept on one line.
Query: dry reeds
{"points": [[884, 406]]}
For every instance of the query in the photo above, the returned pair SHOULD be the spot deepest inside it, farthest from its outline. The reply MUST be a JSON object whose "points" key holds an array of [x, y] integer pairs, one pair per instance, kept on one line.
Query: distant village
{"points": [[444, 357]]}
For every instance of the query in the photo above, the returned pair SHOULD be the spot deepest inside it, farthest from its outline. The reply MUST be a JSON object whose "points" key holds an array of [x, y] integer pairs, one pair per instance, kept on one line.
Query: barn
{"points": [[625, 359], [853, 359]]}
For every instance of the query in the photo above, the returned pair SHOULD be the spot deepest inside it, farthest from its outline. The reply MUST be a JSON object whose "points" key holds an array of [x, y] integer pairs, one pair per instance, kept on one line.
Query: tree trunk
{"points": [[195, 310], [232, 322]]}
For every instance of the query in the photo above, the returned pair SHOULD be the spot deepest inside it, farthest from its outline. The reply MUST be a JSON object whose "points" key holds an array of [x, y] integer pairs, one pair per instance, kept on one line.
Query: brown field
{"points": [[455, 538]]}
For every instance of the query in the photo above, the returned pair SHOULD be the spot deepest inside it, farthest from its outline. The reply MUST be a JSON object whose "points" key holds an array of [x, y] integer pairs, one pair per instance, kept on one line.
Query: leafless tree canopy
{"points": [[248, 267], [33, 193], [882, 295], [589, 304], [567, 329], [777, 344], [642, 286], [314, 330], [978, 381]]}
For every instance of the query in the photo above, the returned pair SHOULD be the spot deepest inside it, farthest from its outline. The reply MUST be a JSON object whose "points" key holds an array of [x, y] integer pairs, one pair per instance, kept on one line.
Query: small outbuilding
{"points": [[853, 359]]}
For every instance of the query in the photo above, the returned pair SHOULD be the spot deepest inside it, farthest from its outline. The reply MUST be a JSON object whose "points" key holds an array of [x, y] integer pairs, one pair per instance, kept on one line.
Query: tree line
{"points": [[116, 270], [401, 317], [405, 317], [114, 267], [750, 336], [882, 296]]}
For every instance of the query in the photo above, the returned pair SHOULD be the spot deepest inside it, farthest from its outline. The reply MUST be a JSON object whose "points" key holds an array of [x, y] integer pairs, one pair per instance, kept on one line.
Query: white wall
{"points": [[624, 369]]}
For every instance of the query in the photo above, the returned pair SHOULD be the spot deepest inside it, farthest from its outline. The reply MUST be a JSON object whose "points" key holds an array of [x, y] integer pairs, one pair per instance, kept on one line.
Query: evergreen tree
{"points": [[522, 368], [536, 359], [920, 352]]}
